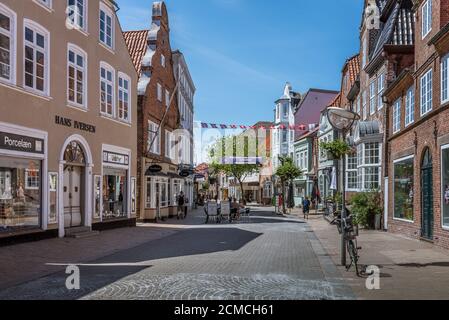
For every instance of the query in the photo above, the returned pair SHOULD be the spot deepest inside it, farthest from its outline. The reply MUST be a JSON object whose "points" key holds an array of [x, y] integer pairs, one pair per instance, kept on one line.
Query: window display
{"points": [[404, 189], [20, 193], [114, 193]]}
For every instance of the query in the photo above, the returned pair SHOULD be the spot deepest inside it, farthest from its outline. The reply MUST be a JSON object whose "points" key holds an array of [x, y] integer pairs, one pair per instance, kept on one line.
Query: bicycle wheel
{"points": [[352, 249]]}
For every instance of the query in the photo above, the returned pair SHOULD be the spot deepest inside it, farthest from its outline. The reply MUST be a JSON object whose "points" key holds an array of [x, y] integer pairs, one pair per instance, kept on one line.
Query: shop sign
{"points": [[66, 122], [154, 169], [115, 158], [16, 142]]}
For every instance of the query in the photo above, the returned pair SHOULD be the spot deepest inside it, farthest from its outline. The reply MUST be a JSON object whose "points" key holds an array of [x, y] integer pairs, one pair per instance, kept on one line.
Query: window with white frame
{"points": [[167, 98], [372, 97], [380, 91], [444, 79], [365, 105], [46, 3], [169, 144], [154, 138], [351, 172], [159, 92], [36, 46], [364, 52], [426, 18], [426, 93], [267, 190], [149, 203], [7, 44], [32, 179], [106, 26], [397, 116], [358, 105], [410, 106], [76, 14], [107, 76], [162, 60], [369, 165], [124, 96], [76, 76]]}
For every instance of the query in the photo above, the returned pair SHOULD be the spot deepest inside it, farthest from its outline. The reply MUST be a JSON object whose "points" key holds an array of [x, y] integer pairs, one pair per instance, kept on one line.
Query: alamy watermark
{"points": [[373, 279], [73, 281]]}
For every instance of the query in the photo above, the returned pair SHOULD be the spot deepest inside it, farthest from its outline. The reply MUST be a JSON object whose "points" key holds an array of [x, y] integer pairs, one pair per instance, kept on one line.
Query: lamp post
{"points": [[342, 120]]}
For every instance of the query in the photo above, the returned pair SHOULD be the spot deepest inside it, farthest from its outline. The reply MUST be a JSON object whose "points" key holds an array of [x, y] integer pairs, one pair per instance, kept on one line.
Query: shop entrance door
{"points": [[427, 196], [73, 197]]}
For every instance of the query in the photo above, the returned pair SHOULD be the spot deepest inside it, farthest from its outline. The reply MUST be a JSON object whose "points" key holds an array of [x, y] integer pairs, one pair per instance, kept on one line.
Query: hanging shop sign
{"points": [[115, 158], [155, 168], [66, 122], [20, 143]]}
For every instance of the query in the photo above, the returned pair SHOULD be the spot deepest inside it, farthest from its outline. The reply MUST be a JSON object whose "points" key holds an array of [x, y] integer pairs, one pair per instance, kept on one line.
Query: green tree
{"points": [[233, 147], [287, 172]]}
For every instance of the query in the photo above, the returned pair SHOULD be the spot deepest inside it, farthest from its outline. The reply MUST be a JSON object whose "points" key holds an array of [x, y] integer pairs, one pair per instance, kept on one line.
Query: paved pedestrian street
{"points": [[268, 257]]}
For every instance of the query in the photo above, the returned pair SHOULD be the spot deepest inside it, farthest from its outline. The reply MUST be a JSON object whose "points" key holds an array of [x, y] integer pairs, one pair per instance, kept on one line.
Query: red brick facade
{"points": [[428, 132]]}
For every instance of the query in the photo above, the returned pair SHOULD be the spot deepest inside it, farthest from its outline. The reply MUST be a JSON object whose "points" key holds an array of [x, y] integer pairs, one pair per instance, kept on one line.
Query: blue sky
{"points": [[241, 52]]}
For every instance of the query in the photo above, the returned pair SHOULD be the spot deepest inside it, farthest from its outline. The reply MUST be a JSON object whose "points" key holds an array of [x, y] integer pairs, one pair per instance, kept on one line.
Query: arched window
{"points": [[427, 159], [7, 44], [74, 154]]}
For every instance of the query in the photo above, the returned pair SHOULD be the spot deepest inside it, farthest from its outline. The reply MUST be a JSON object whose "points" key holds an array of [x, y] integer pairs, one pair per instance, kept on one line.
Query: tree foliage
{"points": [[337, 148], [287, 172]]}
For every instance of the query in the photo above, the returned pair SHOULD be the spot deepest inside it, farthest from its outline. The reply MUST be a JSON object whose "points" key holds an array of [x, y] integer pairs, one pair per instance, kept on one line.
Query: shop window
{"points": [[404, 189], [114, 193], [133, 195], [20, 194], [149, 203], [445, 185], [53, 197], [97, 194]]}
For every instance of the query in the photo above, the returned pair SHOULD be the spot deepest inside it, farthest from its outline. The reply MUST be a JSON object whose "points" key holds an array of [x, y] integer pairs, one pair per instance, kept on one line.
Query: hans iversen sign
{"points": [[75, 124], [16, 142]]}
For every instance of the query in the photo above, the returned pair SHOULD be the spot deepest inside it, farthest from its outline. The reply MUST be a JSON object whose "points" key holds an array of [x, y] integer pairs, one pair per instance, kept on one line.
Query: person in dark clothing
{"points": [[306, 207], [181, 202]]}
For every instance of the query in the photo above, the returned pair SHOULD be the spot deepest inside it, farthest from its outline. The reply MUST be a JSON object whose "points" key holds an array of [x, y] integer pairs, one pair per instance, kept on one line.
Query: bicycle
{"points": [[351, 241], [329, 209]]}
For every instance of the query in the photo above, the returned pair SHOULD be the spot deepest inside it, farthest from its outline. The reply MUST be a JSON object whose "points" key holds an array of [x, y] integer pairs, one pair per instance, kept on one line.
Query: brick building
{"points": [[158, 118], [418, 104]]}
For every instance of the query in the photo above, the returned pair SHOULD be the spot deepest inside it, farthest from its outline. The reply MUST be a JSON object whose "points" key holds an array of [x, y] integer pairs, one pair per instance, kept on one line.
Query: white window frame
{"points": [[27, 185], [426, 14], [169, 145], [56, 191], [365, 104], [108, 12], [397, 116], [426, 91], [47, 4], [372, 97], [445, 79], [159, 92], [41, 30], [394, 173], [152, 128], [78, 51], [362, 165], [410, 106], [121, 90], [12, 34], [107, 67], [380, 91], [163, 61], [73, 21], [351, 170]]}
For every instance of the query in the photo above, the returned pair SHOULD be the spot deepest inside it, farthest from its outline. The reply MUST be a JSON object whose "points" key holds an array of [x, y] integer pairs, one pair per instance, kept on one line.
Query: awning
{"points": [[368, 130]]}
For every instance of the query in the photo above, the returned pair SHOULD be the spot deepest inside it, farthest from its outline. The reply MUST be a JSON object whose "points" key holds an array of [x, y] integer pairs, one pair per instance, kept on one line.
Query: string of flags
{"points": [[298, 127]]}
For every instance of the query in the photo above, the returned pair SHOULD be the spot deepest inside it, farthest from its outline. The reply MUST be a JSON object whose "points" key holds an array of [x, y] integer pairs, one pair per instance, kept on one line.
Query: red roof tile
{"points": [[137, 46], [353, 65]]}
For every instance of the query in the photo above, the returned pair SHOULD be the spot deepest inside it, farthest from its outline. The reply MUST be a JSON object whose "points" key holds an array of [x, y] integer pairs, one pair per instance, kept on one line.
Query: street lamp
{"points": [[342, 120]]}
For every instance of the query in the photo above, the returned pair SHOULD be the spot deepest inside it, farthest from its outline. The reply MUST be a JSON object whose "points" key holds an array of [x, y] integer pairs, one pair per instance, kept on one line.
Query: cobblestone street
{"points": [[268, 257]]}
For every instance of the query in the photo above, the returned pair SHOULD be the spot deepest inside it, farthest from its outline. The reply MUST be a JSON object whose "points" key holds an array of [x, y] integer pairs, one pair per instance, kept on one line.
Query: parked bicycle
{"points": [[330, 209], [350, 237]]}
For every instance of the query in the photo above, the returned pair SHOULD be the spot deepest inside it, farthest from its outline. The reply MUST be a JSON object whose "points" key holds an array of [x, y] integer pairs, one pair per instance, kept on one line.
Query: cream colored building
{"points": [[68, 118]]}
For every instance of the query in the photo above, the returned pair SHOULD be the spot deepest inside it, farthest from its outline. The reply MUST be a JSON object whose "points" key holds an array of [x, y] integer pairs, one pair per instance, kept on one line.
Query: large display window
{"points": [[404, 189], [115, 186], [20, 193]]}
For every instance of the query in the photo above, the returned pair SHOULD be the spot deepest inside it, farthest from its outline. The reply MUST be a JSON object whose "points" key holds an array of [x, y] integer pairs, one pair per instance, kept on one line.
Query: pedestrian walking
{"points": [[181, 202], [306, 208]]}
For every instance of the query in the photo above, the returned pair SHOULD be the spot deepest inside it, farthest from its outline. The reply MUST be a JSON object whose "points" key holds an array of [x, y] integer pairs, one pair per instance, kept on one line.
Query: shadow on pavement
{"points": [[106, 271]]}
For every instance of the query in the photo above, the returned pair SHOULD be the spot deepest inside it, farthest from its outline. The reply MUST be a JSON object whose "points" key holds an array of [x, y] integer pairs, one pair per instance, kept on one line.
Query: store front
{"points": [[22, 166], [117, 194]]}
